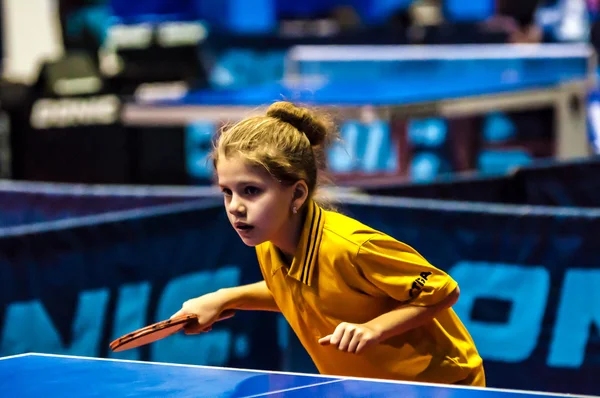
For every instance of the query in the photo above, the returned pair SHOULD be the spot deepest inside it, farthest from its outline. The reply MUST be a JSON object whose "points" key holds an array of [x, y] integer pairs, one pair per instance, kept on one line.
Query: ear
{"points": [[300, 194]]}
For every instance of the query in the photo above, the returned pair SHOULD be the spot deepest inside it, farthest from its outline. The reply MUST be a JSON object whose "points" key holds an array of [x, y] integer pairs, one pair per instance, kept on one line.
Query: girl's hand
{"points": [[350, 337], [209, 309]]}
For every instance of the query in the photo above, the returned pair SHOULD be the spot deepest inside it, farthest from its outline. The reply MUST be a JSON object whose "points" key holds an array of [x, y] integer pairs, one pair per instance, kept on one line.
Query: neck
{"points": [[289, 237]]}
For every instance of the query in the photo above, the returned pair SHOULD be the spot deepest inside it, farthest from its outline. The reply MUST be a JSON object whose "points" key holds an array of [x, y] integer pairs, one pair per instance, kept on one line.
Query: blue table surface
{"points": [[42, 375], [400, 82], [391, 92]]}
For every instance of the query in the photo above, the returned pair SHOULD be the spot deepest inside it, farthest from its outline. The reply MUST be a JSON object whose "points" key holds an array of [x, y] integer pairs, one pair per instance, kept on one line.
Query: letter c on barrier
{"points": [[525, 287], [204, 349]]}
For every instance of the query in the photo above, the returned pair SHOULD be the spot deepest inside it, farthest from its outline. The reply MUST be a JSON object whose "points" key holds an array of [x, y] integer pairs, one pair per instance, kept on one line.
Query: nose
{"points": [[236, 206]]}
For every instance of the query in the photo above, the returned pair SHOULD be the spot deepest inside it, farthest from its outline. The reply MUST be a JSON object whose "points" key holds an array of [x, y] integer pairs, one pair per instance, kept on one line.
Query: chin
{"points": [[251, 241]]}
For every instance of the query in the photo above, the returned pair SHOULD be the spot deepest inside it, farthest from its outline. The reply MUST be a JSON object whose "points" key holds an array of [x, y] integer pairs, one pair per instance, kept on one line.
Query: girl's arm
{"points": [[255, 296], [407, 317], [213, 307], [355, 337]]}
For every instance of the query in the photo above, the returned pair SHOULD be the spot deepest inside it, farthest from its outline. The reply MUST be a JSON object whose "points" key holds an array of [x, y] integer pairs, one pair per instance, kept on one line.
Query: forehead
{"points": [[233, 169]]}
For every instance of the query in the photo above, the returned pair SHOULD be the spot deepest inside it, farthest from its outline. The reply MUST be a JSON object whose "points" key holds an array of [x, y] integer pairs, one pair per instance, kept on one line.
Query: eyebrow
{"points": [[242, 183]]}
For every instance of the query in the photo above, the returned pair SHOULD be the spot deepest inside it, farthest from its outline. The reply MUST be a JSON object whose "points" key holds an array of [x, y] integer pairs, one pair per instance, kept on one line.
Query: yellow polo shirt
{"points": [[344, 271]]}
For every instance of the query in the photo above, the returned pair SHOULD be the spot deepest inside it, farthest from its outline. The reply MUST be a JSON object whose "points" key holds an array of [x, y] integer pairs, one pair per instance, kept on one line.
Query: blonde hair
{"points": [[289, 142]]}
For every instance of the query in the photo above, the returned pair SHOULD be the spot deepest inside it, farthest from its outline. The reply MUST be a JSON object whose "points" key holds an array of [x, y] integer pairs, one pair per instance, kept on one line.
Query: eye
{"points": [[226, 191], [251, 191]]}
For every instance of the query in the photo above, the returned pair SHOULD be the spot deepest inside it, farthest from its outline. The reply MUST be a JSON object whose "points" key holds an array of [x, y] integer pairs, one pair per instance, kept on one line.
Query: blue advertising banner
{"points": [[72, 290], [25, 203], [574, 183], [528, 278], [529, 283]]}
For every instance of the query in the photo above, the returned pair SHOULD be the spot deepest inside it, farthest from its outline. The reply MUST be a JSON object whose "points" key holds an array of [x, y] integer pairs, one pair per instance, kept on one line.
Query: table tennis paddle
{"points": [[157, 331]]}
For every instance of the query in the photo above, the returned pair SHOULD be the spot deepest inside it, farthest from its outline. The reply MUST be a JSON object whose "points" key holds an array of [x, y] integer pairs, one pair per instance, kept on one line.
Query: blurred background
{"points": [[471, 131]]}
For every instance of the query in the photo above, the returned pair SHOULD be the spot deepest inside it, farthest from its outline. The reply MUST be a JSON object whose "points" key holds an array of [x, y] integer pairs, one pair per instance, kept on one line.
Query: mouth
{"points": [[243, 227]]}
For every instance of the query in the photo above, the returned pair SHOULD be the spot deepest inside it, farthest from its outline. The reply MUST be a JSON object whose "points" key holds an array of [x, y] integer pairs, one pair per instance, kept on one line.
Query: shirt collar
{"points": [[305, 258]]}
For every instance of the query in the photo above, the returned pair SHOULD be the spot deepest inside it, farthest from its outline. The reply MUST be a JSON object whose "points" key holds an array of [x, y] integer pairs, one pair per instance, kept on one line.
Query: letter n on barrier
{"points": [[28, 327], [578, 310]]}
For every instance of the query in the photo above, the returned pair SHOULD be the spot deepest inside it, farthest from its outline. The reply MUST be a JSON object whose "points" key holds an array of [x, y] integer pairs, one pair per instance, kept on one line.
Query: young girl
{"points": [[362, 303]]}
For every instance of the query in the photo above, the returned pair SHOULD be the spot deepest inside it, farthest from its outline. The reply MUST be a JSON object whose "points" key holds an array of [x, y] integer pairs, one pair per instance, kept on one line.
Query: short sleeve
{"points": [[402, 273]]}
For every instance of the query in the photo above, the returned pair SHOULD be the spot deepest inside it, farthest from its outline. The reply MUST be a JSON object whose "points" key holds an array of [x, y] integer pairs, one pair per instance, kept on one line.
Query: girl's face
{"points": [[258, 207]]}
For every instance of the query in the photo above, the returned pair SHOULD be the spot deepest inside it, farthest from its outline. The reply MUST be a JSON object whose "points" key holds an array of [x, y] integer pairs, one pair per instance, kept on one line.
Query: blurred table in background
{"points": [[406, 113], [405, 110]]}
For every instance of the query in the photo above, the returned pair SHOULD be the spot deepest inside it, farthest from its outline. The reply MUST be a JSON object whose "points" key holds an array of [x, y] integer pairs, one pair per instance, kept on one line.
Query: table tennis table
{"points": [[366, 82], [46, 375]]}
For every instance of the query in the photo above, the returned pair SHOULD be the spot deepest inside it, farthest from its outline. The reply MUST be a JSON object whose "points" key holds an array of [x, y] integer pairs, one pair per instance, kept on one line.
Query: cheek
{"points": [[273, 212]]}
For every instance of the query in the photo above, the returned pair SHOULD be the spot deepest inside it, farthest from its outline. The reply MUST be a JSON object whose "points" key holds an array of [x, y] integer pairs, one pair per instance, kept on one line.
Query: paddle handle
{"points": [[226, 315]]}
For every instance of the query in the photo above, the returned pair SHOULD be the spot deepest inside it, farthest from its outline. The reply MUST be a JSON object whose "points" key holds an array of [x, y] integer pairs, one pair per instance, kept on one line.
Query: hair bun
{"points": [[316, 129]]}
